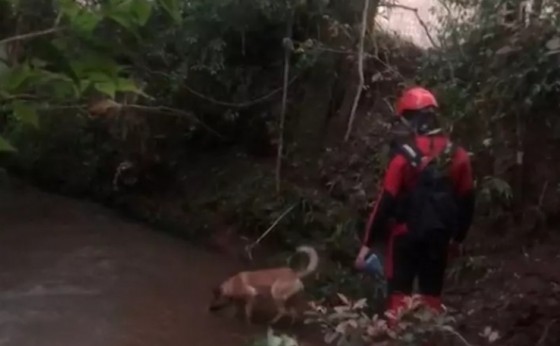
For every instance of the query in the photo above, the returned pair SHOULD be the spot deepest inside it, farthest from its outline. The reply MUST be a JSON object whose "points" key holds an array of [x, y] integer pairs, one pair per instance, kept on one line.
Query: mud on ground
{"points": [[515, 292]]}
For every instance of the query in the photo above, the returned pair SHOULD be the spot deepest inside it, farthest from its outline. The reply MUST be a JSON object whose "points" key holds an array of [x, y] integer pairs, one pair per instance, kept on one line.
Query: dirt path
{"points": [[73, 273]]}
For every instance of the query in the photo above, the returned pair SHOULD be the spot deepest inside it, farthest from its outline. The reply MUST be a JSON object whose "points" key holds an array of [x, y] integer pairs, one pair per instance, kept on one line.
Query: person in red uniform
{"points": [[431, 211]]}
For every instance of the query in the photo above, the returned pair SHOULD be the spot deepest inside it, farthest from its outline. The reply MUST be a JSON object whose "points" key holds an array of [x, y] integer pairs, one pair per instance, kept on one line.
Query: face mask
{"points": [[420, 124]]}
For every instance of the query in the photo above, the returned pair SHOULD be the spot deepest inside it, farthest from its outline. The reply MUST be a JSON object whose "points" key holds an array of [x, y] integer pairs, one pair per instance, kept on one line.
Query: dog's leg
{"points": [[249, 304], [295, 299], [293, 315], [280, 305], [238, 309], [251, 296]]}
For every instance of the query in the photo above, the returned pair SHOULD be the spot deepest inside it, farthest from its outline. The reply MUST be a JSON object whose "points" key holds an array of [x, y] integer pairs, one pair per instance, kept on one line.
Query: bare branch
{"points": [[112, 105], [543, 193], [446, 7], [544, 335], [365, 56], [459, 336], [420, 20], [245, 104], [288, 47], [29, 36], [174, 112], [365, 12], [238, 105]]}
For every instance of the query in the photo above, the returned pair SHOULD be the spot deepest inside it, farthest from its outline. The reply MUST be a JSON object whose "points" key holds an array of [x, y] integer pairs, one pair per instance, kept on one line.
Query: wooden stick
{"points": [[360, 71]]}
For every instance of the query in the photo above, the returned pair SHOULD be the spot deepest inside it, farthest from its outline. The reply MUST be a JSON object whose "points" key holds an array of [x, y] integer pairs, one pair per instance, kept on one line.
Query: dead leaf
{"points": [[103, 107], [360, 304], [330, 337], [341, 328], [391, 333], [553, 44], [493, 336], [343, 298], [553, 52], [341, 309], [377, 77], [504, 50]]}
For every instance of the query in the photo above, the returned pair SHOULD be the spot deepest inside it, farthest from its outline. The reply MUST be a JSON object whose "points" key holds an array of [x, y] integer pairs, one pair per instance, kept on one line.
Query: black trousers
{"points": [[410, 259]]}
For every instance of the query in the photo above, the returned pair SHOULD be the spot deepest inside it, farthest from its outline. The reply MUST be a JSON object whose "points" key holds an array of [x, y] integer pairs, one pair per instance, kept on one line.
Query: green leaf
{"points": [[26, 113], [141, 9], [95, 76], [120, 5], [172, 8], [63, 90], [108, 88], [86, 21], [91, 63], [38, 63], [70, 8], [124, 21], [128, 85], [3, 57], [6, 146], [16, 77], [83, 85], [129, 14], [55, 53]]}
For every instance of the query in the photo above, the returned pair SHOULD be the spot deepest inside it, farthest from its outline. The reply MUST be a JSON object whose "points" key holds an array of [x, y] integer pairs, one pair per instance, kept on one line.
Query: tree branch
{"points": [[30, 35], [288, 47], [173, 112], [105, 106], [365, 12], [238, 105], [244, 104], [446, 7], [420, 20], [542, 339], [365, 56], [458, 336]]}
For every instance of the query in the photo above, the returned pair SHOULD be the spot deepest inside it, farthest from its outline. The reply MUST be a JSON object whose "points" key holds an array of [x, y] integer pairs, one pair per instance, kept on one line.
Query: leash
{"points": [[249, 248]]}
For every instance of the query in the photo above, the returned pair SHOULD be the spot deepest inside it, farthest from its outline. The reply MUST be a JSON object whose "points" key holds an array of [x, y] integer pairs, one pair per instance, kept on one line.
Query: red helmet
{"points": [[415, 98]]}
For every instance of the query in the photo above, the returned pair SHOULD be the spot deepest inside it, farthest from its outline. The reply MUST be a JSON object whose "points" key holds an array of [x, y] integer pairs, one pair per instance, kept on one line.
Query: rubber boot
{"points": [[433, 302], [396, 301]]}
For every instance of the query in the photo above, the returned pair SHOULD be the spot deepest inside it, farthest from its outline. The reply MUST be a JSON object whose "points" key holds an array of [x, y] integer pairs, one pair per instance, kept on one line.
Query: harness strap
{"points": [[415, 157]]}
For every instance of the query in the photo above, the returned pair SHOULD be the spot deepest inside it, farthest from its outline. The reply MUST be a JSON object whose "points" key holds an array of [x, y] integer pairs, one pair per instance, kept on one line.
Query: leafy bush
{"points": [[495, 72], [273, 339], [348, 325]]}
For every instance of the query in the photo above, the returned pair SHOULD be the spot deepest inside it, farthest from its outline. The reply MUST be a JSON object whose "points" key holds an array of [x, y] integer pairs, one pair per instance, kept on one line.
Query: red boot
{"points": [[396, 302], [433, 302]]}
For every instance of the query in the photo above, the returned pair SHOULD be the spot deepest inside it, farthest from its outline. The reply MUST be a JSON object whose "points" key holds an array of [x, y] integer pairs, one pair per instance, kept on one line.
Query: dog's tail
{"points": [[313, 260]]}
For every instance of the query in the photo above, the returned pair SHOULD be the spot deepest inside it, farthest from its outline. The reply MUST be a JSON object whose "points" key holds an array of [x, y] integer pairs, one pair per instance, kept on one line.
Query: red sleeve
{"points": [[384, 206]]}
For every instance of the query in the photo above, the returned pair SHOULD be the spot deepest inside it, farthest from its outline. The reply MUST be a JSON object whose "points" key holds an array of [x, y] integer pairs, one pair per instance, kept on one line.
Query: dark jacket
{"points": [[399, 177]]}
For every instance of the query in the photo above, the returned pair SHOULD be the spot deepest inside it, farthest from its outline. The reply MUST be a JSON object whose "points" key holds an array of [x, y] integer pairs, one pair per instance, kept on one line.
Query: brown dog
{"points": [[281, 283]]}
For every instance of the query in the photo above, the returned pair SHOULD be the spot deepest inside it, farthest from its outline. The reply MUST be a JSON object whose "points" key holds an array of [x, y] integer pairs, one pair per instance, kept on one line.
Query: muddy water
{"points": [[73, 273]]}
